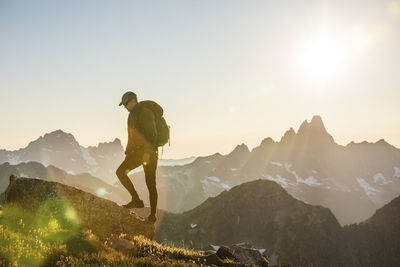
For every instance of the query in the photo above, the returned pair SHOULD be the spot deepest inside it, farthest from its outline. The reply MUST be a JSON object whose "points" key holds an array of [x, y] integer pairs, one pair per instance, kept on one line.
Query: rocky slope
{"points": [[66, 205], [83, 181]]}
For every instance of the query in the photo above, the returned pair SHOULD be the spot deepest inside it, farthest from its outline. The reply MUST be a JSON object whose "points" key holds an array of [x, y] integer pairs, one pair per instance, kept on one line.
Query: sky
{"points": [[225, 72]]}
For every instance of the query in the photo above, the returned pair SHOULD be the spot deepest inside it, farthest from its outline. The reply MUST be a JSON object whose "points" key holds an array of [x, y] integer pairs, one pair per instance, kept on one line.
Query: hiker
{"points": [[141, 149]]}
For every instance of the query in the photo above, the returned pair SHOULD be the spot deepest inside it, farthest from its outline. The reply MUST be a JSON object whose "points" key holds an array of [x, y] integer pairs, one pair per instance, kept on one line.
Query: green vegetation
{"points": [[39, 239]]}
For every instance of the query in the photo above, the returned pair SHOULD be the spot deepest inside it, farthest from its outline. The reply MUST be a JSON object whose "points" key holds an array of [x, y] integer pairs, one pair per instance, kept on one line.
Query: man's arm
{"points": [[149, 128], [131, 126]]}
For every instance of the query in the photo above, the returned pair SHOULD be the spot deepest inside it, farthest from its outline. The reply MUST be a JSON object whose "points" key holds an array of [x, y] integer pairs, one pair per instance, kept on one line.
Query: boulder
{"points": [[244, 255], [225, 252], [249, 255], [102, 216]]}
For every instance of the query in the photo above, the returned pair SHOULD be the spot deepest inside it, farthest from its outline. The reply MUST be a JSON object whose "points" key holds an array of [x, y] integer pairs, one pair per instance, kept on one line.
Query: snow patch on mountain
{"points": [[368, 189], [280, 180], [13, 159], [193, 225], [276, 163], [213, 178], [21, 174], [310, 181], [212, 185], [225, 186], [379, 178], [396, 171], [87, 157]]}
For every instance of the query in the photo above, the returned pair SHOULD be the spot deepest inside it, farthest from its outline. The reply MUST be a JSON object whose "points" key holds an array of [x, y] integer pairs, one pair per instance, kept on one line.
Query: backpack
{"points": [[161, 123]]}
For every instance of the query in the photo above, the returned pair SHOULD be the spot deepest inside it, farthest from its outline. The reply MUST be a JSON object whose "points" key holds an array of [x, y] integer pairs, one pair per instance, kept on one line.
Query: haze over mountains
{"points": [[352, 180]]}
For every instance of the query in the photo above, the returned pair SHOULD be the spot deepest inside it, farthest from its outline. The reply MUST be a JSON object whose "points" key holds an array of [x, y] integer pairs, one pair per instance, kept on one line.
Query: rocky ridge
{"points": [[73, 206]]}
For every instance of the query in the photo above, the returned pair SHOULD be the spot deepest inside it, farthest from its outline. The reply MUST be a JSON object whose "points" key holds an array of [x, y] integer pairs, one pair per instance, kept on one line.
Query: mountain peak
{"points": [[303, 127], [314, 130], [316, 122], [103, 145], [382, 141], [240, 150], [267, 141], [59, 134], [288, 136], [241, 147], [56, 138]]}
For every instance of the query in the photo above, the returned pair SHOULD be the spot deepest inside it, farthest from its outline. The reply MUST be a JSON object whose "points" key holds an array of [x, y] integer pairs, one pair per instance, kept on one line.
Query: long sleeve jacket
{"points": [[142, 130]]}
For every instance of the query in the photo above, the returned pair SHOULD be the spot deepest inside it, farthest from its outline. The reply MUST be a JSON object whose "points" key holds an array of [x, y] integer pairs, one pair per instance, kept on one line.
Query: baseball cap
{"points": [[128, 96]]}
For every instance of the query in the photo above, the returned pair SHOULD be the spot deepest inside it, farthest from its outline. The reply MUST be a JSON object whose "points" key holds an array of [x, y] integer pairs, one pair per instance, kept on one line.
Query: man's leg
{"points": [[150, 174], [131, 162]]}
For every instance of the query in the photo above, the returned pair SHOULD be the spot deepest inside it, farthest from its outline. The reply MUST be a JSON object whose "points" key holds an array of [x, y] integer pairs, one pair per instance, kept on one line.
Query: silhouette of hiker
{"points": [[141, 149]]}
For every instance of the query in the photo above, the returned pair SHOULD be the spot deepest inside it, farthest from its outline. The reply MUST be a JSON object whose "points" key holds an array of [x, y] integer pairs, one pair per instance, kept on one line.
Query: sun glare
{"points": [[323, 58]]}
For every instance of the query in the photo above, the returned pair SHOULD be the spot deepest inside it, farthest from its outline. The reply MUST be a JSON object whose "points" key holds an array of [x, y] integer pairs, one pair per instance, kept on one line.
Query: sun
{"points": [[323, 58]]}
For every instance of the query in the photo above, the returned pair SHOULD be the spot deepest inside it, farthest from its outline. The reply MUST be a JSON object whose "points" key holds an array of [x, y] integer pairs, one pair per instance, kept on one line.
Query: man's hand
{"points": [[146, 158]]}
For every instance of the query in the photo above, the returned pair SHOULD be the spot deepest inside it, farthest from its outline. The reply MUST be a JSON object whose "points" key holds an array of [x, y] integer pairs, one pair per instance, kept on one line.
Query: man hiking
{"points": [[141, 149]]}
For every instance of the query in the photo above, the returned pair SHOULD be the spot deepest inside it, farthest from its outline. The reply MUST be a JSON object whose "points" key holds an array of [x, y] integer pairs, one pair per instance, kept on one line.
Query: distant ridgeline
{"points": [[352, 180]]}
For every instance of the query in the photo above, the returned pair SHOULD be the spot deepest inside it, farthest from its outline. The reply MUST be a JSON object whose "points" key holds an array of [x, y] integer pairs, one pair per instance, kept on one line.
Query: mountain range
{"points": [[352, 180], [61, 150]]}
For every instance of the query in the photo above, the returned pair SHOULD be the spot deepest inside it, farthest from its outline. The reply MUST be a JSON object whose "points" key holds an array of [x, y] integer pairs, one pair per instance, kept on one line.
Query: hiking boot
{"points": [[134, 204], [151, 219]]}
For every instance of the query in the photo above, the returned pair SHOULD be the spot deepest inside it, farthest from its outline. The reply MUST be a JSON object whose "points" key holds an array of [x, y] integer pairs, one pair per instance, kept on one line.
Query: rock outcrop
{"points": [[82, 181], [86, 210], [249, 256]]}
